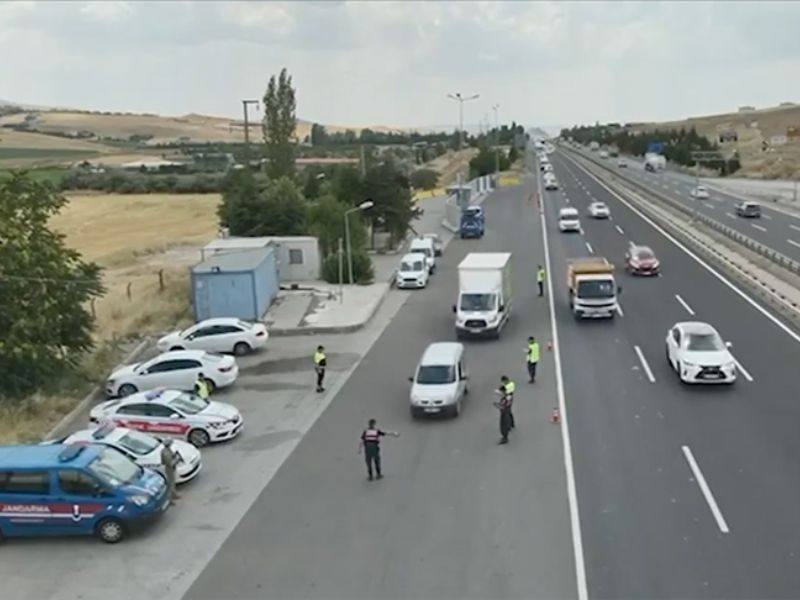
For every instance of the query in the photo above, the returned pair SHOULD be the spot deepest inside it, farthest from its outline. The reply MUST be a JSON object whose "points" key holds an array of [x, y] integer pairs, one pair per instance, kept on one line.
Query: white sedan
{"points": [[176, 370], [599, 210], [700, 192], [217, 335], [697, 353]]}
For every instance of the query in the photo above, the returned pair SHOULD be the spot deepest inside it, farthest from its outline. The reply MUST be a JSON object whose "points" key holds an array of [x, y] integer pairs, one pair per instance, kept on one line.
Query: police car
{"points": [[141, 448], [164, 412]]}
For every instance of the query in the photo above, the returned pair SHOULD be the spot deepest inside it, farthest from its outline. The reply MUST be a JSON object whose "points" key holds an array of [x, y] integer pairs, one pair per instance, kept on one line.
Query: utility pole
{"points": [[363, 162], [341, 273], [245, 104], [461, 100], [495, 108]]}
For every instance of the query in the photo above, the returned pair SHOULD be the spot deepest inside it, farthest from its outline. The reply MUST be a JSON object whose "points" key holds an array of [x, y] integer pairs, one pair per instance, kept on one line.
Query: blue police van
{"points": [[76, 489]]}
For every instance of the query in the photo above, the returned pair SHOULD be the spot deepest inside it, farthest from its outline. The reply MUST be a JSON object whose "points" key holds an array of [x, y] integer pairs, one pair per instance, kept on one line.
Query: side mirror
{"points": [[502, 308], [174, 416], [728, 345], [411, 379], [465, 376], [454, 308], [619, 290]]}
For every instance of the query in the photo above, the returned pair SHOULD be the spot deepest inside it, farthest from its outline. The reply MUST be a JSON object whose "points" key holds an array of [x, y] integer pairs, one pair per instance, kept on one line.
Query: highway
{"points": [[649, 529], [778, 228]]}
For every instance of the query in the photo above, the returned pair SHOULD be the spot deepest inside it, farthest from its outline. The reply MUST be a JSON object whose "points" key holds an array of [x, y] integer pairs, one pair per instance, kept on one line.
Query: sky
{"points": [[393, 63]]}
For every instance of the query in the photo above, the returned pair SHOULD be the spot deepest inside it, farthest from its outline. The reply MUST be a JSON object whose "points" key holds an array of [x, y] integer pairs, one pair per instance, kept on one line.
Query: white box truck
{"points": [[592, 288], [485, 294]]}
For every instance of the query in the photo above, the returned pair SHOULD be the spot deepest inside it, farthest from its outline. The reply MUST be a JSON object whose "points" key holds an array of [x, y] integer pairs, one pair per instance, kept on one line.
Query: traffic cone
{"points": [[555, 418], [550, 345]]}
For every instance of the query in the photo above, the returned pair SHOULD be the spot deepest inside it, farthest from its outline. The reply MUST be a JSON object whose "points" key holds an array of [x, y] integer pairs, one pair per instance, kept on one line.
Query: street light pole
{"points": [[245, 104], [367, 204], [495, 108], [461, 100]]}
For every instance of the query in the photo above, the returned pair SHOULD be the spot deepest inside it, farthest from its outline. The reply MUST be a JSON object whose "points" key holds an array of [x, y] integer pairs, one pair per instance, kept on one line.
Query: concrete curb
{"points": [[67, 423]]}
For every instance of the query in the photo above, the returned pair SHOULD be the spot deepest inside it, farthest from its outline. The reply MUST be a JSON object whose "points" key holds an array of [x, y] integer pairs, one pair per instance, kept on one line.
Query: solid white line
{"points": [[645, 366], [795, 227], [589, 248], [619, 229], [619, 310], [759, 227], [777, 322], [701, 481], [793, 243], [683, 303], [742, 369], [572, 495]]}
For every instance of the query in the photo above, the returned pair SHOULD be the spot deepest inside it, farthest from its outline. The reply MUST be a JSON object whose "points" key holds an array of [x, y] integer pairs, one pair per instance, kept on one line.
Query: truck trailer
{"points": [[485, 294]]}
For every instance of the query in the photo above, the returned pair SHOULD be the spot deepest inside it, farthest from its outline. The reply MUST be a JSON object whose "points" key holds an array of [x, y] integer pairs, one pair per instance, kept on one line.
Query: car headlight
{"points": [[140, 500], [687, 363], [218, 424], [731, 366], [110, 382]]}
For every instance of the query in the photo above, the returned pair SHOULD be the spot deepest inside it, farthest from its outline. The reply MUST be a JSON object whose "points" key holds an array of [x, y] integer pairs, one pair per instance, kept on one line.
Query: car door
{"points": [[462, 379], [227, 336], [26, 502], [199, 338], [184, 373], [133, 416], [82, 497], [673, 345], [166, 372], [166, 421]]}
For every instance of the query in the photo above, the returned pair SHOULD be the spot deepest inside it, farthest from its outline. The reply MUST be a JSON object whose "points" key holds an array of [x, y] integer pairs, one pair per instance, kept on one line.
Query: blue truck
{"points": [[473, 222]]}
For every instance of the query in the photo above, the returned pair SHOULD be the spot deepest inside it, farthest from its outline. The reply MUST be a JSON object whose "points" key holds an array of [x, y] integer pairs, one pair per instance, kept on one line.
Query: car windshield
{"points": [[138, 443], [436, 374], [596, 289], [411, 266], [704, 342], [189, 404], [644, 254], [114, 468], [567, 216], [478, 301]]}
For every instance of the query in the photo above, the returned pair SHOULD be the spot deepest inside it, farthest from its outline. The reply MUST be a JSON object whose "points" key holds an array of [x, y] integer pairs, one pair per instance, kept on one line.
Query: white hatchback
{"points": [[217, 335]]}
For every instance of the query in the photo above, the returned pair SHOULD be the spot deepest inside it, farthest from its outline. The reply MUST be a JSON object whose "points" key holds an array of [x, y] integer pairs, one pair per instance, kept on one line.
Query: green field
{"points": [[43, 153], [52, 175]]}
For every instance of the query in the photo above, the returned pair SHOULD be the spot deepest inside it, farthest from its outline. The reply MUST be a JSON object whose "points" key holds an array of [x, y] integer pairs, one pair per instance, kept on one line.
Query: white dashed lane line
{"points": [[684, 304], [644, 364], [619, 229]]}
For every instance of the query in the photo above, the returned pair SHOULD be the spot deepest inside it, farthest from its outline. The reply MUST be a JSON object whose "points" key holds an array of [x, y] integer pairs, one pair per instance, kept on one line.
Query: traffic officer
{"points": [[170, 460], [201, 387], [506, 391], [506, 416], [371, 444], [532, 358], [540, 274], [320, 362]]}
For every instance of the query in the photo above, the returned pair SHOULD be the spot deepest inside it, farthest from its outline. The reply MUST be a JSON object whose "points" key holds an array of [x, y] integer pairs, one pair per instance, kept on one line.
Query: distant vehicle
{"points": [[550, 183], [485, 294], [173, 413], [594, 146], [592, 288], [700, 192], [603, 154], [548, 168], [641, 260], [438, 245], [217, 335], [473, 223], [599, 210], [568, 220], [654, 162], [622, 163], [440, 382], [748, 210], [178, 370], [697, 353], [413, 271], [423, 245]]}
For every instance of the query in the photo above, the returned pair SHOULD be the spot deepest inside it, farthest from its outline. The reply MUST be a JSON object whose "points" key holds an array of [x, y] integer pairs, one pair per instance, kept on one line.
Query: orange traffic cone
{"points": [[555, 418]]}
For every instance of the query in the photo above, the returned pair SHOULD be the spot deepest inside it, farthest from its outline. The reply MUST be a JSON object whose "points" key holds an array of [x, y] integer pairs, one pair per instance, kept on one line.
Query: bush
{"points": [[424, 179], [363, 270]]}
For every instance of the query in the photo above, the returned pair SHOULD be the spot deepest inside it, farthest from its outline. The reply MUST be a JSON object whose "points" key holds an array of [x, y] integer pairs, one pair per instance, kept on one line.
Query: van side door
{"points": [[26, 506], [83, 499]]}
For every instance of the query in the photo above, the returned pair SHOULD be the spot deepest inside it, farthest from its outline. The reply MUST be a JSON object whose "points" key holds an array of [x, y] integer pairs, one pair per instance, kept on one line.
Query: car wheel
{"points": [[456, 410], [2, 539], [466, 390], [127, 389], [176, 348], [241, 348], [198, 438], [210, 385], [110, 530], [415, 414]]}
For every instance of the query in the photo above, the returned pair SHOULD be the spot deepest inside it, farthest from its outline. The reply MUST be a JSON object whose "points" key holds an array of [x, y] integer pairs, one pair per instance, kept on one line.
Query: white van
{"points": [[568, 219], [424, 246], [413, 271], [440, 381]]}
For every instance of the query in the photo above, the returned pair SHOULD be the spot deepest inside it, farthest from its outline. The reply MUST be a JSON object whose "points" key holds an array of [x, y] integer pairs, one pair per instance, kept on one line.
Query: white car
{"points": [[413, 271], [178, 370], [173, 413], [217, 335], [568, 220], [697, 353], [424, 245], [599, 210], [603, 154], [438, 245], [700, 192], [141, 448], [622, 163], [550, 183]]}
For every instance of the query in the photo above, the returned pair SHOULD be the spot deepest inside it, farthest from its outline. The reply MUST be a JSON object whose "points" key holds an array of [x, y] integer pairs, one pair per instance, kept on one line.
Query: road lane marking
{"points": [[619, 229], [767, 217], [793, 243], [619, 310], [701, 481], [707, 205], [742, 369], [795, 227], [645, 366], [589, 248], [566, 199], [572, 495], [759, 227], [732, 216], [683, 303]]}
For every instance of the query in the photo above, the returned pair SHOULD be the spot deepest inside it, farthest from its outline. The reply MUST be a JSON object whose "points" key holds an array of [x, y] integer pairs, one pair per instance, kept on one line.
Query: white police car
{"points": [[141, 448], [174, 413]]}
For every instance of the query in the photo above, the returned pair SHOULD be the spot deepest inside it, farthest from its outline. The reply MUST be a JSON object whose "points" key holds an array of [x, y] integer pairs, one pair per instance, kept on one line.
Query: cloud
{"points": [[394, 62]]}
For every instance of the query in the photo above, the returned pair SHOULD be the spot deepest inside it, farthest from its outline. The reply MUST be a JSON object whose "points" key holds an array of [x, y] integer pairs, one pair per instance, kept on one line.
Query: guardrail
{"points": [[773, 255]]}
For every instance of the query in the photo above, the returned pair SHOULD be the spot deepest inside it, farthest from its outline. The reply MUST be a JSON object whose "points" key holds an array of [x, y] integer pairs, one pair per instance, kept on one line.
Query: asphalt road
{"points": [[457, 516], [777, 229], [648, 528]]}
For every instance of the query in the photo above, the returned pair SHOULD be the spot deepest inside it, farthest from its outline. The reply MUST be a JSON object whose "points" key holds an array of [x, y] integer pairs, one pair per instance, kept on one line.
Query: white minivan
{"points": [[424, 245], [440, 381], [413, 271], [568, 219]]}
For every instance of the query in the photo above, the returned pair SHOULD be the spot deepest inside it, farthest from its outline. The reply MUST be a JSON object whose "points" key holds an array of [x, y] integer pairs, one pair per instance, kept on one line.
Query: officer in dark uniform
{"points": [[506, 392], [506, 416], [371, 444], [320, 363]]}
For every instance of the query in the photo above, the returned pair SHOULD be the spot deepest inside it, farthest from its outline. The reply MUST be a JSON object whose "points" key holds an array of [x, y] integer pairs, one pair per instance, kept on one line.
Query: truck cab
{"points": [[592, 288], [473, 222]]}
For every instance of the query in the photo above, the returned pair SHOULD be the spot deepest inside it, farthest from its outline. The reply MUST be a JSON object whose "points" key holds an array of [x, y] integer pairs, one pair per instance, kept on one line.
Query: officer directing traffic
{"points": [[371, 444], [532, 358], [506, 416], [320, 363]]}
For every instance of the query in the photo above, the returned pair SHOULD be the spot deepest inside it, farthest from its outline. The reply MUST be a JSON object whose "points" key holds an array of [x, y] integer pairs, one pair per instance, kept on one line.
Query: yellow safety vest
{"points": [[540, 275], [510, 388], [533, 352], [319, 357], [202, 389]]}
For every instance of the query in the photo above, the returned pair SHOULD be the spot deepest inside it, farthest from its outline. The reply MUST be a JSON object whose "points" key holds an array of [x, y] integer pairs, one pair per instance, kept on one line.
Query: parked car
{"points": [[438, 246], [173, 413], [641, 260], [748, 210], [217, 335], [178, 370]]}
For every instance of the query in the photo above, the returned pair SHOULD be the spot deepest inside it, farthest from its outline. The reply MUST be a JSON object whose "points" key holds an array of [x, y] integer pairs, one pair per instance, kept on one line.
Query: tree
{"points": [[319, 137], [312, 185], [394, 208], [277, 209], [424, 179], [348, 185], [44, 288], [280, 122], [326, 223]]}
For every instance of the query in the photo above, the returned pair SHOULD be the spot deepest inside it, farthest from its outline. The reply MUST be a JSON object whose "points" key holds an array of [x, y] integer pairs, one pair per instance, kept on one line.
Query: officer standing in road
{"points": [[506, 416], [506, 392], [320, 363], [532, 358], [540, 275], [371, 444], [170, 460], [201, 387]]}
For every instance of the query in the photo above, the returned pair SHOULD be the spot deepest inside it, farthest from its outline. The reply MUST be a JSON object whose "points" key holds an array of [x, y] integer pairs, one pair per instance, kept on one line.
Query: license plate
{"points": [[431, 410], [714, 376], [475, 330]]}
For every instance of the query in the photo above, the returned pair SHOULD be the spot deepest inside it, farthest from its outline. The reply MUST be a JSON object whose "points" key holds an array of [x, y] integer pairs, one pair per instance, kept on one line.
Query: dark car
{"points": [[641, 260], [748, 210]]}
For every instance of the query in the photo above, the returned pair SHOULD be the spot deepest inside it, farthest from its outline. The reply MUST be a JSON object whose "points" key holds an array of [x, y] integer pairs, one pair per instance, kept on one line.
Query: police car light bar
{"points": [[72, 451], [156, 393], [106, 427]]}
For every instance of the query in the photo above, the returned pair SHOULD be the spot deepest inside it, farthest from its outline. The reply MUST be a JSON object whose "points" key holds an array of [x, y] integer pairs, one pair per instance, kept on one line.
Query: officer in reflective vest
{"points": [[201, 387], [532, 358], [320, 362], [540, 279], [506, 392], [371, 444], [504, 406]]}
